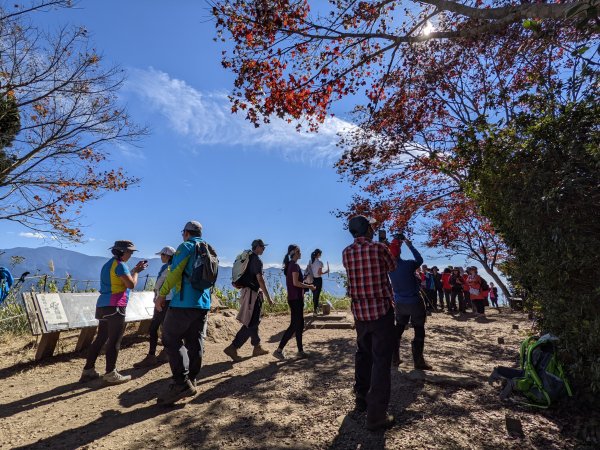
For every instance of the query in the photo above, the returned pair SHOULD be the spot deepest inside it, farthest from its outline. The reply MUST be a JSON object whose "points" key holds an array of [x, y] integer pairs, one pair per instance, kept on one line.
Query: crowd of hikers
{"points": [[387, 293]]}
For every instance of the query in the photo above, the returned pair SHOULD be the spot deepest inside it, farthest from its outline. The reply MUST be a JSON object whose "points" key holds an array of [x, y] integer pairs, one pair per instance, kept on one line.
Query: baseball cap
{"points": [[169, 251], [193, 225], [358, 225], [258, 243], [124, 245]]}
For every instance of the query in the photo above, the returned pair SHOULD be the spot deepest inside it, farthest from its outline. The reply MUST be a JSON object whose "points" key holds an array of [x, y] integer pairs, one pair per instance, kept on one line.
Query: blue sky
{"points": [[200, 162]]}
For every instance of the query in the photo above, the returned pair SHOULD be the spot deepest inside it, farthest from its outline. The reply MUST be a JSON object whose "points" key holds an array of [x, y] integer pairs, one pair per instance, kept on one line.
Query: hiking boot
{"points": [[89, 375], [115, 377], [419, 361], [148, 361], [231, 351], [302, 355], [279, 354], [259, 351], [176, 392], [163, 357], [382, 424], [360, 404]]}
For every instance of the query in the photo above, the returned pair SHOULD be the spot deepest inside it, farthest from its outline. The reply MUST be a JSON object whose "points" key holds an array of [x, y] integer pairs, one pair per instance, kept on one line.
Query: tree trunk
{"points": [[497, 280]]}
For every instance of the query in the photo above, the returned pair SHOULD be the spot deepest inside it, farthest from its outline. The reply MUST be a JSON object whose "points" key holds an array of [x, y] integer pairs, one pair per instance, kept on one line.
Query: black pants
{"points": [[461, 300], [250, 331], [157, 319], [296, 324], [373, 360], [494, 301], [440, 295], [413, 313], [431, 296], [479, 305], [467, 299], [447, 294], [111, 326], [184, 330], [318, 282]]}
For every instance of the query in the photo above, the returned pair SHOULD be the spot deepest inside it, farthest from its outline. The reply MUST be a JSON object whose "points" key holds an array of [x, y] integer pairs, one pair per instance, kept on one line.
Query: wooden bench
{"points": [[51, 314]]}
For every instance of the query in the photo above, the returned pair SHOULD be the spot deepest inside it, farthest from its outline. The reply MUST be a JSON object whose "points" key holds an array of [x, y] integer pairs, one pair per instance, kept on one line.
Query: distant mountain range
{"points": [[85, 269]]}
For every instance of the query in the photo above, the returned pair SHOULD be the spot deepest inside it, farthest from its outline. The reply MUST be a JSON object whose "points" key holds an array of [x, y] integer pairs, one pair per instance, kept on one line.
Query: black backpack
{"points": [[205, 267], [483, 285]]}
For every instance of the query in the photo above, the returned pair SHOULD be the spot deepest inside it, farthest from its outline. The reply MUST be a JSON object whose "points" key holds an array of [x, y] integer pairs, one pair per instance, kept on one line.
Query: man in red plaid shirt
{"points": [[367, 265]]}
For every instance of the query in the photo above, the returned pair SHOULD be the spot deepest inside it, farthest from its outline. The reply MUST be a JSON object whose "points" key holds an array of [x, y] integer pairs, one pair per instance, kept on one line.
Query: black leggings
{"points": [[157, 320], [296, 324], [318, 282], [111, 326], [461, 300]]}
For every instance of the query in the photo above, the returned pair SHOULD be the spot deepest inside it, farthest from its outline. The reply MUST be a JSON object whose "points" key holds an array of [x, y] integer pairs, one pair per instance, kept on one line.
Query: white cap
{"points": [[169, 251]]}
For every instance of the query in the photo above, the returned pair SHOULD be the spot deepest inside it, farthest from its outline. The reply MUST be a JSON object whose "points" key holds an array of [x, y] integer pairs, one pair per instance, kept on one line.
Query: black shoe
{"points": [[382, 424], [176, 392], [360, 404]]}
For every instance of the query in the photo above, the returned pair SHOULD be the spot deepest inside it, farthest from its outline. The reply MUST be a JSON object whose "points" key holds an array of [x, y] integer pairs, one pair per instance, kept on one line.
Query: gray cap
{"points": [[169, 251], [193, 226], [258, 243]]}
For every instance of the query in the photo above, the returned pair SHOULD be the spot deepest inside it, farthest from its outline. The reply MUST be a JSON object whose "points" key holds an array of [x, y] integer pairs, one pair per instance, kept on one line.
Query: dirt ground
{"points": [[263, 403]]}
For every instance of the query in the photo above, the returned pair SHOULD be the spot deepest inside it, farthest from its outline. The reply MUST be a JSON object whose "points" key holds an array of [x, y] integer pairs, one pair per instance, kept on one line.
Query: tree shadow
{"points": [[110, 420], [58, 394]]}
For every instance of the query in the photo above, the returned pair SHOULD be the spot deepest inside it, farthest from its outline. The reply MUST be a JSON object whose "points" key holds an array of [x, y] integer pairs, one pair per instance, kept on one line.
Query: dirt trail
{"points": [[264, 403]]}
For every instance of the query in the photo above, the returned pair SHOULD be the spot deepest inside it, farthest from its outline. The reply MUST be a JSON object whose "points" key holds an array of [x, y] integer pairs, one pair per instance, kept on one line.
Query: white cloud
{"points": [[35, 235], [206, 119]]}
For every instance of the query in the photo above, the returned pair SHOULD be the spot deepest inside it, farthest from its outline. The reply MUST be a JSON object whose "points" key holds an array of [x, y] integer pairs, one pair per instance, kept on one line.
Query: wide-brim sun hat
{"points": [[123, 245]]}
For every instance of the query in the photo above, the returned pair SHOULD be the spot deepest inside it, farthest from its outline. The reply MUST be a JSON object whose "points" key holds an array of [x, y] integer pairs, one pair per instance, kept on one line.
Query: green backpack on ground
{"points": [[541, 377]]}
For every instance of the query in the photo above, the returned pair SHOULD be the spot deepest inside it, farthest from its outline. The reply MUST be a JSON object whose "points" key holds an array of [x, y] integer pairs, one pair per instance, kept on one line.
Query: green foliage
{"points": [[538, 180], [10, 124], [229, 298]]}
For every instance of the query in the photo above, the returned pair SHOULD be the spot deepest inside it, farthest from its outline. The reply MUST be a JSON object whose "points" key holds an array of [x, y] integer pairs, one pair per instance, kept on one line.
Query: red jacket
{"points": [[446, 282], [475, 291]]}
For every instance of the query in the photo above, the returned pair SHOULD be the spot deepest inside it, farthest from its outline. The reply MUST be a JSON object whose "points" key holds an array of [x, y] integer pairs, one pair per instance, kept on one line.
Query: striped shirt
{"points": [[367, 264]]}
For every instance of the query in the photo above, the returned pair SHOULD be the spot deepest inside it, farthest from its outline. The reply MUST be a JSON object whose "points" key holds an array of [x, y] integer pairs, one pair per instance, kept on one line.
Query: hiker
{"points": [[314, 276], [295, 294], [368, 264], [466, 294], [116, 281], [253, 290], [456, 281], [184, 327], [494, 295], [477, 291], [408, 305], [430, 290], [437, 276], [447, 287], [158, 317]]}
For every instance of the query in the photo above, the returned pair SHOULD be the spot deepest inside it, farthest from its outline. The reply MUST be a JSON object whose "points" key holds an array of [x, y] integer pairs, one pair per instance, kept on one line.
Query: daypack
{"points": [[309, 277], [483, 286], [6, 281], [541, 377], [240, 265], [205, 267]]}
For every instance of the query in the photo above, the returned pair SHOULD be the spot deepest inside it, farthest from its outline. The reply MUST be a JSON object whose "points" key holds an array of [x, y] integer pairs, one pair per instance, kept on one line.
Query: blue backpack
{"points": [[6, 281]]}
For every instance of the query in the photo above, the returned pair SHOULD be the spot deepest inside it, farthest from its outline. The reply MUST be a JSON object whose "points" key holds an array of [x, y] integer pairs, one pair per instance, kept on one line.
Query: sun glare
{"points": [[428, 29]]}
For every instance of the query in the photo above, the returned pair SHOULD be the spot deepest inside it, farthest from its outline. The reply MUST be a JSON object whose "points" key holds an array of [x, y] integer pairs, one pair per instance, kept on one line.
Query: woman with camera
{"points": [[116, 281]]}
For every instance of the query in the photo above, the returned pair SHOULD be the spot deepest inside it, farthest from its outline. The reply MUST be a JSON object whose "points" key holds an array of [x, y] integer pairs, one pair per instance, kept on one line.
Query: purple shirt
{"points": [[294, 293]]}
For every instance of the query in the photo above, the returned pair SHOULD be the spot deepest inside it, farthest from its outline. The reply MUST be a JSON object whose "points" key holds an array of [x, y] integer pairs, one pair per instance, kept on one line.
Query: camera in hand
{"points": [[400, 236], [382, 236]]}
